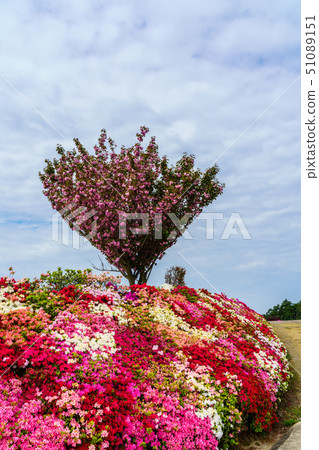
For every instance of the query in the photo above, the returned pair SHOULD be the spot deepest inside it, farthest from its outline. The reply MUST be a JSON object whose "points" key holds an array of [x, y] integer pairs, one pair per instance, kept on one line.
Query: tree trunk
{"points": [[142, 278], [131, 279]]}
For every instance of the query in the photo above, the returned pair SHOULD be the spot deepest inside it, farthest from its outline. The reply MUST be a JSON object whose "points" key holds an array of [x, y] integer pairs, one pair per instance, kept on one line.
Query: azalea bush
{"points": [[97, 365]]}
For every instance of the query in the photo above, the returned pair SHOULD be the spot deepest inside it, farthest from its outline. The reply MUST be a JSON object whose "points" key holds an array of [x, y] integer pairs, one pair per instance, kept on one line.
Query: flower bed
{"points": [[97, 366]]}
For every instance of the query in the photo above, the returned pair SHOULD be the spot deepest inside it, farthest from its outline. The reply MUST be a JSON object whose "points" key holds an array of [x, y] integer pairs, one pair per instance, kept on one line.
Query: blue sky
{"points": [[217, 79]]}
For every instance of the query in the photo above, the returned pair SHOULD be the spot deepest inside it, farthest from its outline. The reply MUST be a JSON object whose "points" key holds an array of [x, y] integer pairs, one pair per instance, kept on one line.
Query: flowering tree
{"points": [[102, 195]]}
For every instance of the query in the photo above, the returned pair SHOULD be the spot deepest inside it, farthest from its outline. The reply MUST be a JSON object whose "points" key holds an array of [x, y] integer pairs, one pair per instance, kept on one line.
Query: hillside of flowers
{"points": [[86, 363]]}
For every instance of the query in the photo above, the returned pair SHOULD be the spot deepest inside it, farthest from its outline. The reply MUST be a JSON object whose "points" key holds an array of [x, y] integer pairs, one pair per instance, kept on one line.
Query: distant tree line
{"points": [[285, 311]]}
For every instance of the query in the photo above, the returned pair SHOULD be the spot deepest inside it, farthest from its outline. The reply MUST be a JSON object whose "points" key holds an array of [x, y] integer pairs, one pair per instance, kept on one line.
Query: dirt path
{"points": [[289, 332]]}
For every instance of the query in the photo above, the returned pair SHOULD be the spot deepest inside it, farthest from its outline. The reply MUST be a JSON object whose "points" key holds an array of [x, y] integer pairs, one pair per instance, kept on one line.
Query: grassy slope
{"points": [[289, 410]]}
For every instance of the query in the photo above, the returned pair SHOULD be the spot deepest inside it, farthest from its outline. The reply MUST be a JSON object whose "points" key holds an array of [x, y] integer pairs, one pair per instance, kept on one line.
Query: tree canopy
{"points": [[131, 205], [285, 311]]}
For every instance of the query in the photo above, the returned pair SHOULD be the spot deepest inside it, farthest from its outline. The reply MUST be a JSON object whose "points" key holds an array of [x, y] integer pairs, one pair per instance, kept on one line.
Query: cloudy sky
{"points": [[217, 79]]}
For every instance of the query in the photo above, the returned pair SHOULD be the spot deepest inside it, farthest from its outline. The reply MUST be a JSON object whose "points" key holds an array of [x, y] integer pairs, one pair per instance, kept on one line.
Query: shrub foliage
{"points": [[175, 276], [101, 366]]}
